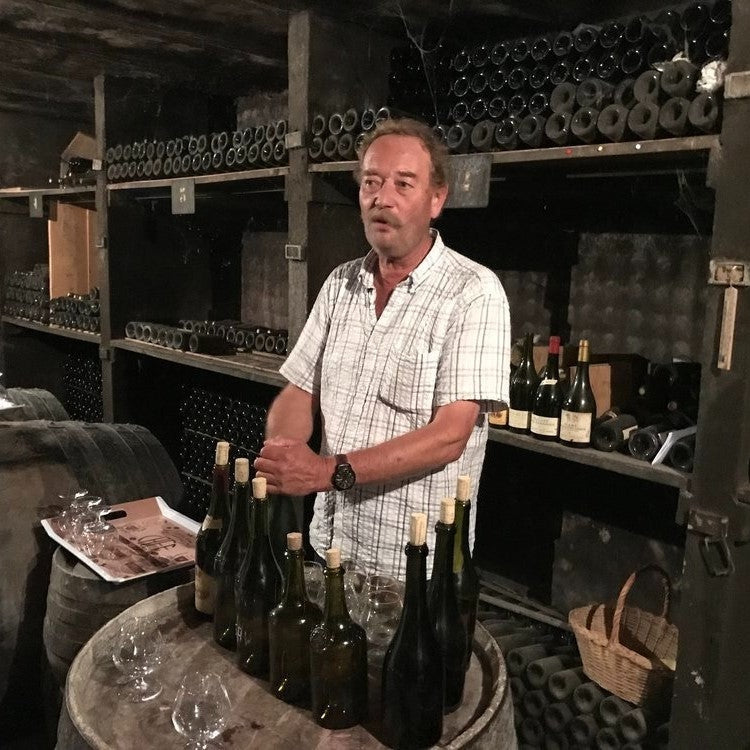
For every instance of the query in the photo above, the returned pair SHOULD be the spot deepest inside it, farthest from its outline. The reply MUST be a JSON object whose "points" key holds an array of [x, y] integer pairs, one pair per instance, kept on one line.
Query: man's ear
{"points": [[439, 197]]}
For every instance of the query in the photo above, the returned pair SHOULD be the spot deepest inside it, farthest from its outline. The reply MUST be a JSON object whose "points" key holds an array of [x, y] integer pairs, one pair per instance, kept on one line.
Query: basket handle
{"points": [[625, 590]]}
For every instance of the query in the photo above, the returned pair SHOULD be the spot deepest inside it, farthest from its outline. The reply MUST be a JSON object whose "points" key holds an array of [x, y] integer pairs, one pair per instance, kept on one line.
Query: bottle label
{"points": [[205, 592], [209, 522], [546, 426], [519, 419], [548, 381], [574, 427], [498, 418], [628, 431]]}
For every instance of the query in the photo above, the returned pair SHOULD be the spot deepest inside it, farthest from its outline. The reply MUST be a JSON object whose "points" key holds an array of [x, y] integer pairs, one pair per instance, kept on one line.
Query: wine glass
{"points": [[200, 709], [72, 505], [98, 534], [315, 584], [137, 653], [355, 589], [380, 581], [381, 617]]}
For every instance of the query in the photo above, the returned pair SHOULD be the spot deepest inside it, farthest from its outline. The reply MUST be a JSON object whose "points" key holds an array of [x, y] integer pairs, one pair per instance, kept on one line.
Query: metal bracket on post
{"points": [[294, 252], [295, 139], [106, 354], [729, 273], [714, 531]]}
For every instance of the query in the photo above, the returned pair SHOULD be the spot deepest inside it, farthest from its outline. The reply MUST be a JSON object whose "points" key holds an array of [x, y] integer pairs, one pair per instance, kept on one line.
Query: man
{"points": [[404, 353]]}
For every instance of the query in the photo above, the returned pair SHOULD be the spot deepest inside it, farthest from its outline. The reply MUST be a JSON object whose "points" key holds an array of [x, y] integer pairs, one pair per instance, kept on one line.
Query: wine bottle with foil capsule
{"points": [[545, 412], [257, 589], [289, 626], [464, 572], [443, 606], [523, 386], [413, 669], [229, 558], [211, 534], [579, 406], [338, 657]]}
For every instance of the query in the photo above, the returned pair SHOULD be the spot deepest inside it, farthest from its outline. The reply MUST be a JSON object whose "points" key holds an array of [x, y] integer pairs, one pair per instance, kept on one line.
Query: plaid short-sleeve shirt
{"points": [[444, 336]]}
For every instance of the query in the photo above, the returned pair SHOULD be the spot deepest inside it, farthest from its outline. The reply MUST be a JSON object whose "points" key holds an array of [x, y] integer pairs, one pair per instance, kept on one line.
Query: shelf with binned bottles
{"points": [[70, 333]]}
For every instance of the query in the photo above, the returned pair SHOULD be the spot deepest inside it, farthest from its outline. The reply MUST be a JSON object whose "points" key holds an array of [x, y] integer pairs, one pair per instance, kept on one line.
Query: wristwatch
{"points": [[343, 475]]}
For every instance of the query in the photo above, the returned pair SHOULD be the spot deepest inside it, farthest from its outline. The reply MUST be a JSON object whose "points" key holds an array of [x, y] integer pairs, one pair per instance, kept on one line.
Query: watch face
{"points": [[344, 477]]}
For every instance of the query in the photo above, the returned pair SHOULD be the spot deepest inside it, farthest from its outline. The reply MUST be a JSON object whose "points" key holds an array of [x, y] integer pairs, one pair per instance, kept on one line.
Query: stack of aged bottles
{"points": [[254, 147], [556, 705], [205, 418], [336, 137], [26, 294], [77, 311], [319, 659], [541, 405], [82, 383], [215, 337], [594, 83]]}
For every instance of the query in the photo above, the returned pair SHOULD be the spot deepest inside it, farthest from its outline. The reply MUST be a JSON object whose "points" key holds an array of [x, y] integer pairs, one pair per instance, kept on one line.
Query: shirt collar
{"points": [[419, 274]]}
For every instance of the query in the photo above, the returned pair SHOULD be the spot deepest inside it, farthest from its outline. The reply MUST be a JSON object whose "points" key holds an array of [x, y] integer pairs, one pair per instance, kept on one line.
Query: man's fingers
{"points": [[281, 442]]}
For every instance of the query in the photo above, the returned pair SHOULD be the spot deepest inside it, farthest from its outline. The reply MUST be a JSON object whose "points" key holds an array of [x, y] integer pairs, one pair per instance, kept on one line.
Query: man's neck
{"points": [[393, 271]]}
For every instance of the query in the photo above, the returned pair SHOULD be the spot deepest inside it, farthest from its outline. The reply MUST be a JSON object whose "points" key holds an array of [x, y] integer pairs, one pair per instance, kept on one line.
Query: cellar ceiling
{"points": [[52, 49]]}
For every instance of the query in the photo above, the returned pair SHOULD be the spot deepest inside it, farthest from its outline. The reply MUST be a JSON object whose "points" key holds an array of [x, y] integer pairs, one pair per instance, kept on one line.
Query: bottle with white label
{"points": [[211, 533], [579, 406], [545, 413], [523, 385]]}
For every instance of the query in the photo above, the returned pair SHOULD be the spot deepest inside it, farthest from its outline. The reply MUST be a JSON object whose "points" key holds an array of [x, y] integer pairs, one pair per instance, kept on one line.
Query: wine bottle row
{"points": [[218, 338], [655, 105], [337, 137], [77, 311], [451, 84], [26, 294], [205, 418], [665, 409], [253, 147], [82, 386], [554, 703], [320, 660]]}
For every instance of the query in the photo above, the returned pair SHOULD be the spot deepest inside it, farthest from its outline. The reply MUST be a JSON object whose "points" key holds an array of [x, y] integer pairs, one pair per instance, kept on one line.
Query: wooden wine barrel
{"points": [[38, 461], [33, 403], [99, 719]]}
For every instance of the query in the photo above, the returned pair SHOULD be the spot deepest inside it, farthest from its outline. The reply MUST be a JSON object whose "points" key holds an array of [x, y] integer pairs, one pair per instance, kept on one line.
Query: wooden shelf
{"points": [[203, 179], [22, 192], [260, 368], [68, 333], [664, 147], [616, 462]]}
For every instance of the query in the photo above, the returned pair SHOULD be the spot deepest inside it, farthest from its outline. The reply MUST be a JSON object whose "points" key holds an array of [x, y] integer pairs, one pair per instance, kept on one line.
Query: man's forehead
{"points": [[399, 153]]}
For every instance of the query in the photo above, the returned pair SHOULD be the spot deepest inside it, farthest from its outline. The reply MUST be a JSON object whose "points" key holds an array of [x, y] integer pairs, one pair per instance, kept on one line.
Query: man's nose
{"points": [[384, 195]]}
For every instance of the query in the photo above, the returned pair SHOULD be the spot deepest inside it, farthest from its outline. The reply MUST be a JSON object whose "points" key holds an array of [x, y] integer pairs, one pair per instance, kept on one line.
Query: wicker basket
{"points": [[626, 650]]}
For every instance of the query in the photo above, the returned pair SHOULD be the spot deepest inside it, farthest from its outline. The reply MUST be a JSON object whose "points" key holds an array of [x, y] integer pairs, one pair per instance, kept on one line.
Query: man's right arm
{"points": [[292, 414]]}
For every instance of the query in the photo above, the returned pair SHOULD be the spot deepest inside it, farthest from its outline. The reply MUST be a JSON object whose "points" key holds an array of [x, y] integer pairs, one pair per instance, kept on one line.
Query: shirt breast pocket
{"points": [[408, 383]]}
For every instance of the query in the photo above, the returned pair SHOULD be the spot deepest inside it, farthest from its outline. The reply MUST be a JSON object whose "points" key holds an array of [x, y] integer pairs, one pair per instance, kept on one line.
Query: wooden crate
{"points": [[72, 250]]}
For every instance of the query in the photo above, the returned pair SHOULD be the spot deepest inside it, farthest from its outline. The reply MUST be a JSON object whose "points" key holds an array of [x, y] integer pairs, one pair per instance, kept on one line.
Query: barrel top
{"points": [[257, 718]]}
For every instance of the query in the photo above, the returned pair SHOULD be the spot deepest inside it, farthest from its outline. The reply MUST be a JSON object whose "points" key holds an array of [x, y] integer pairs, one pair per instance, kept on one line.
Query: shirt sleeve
{"points": [[303, 365], [475, 360]]}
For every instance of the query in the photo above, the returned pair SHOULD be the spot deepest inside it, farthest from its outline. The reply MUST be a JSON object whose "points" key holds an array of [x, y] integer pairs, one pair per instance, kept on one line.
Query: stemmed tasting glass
{"points": [[138, 651], [200, 709]]}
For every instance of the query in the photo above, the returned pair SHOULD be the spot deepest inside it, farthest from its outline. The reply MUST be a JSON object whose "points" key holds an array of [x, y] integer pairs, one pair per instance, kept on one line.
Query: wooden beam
{"points": [[52, 87]]}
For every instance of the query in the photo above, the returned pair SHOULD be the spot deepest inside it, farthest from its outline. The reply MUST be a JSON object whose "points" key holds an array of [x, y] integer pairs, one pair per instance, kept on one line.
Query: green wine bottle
{"points": [[211, 533], [464, 572], [579, 406], [289, 626], [257, 590]]}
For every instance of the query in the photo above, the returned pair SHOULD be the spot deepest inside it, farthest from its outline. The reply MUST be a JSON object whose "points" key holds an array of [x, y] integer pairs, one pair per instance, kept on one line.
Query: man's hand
{"points": [[291, 468]]}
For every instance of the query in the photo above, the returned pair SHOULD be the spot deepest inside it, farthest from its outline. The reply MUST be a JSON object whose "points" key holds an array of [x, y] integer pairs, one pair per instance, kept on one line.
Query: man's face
{"points": [[397, 199]]}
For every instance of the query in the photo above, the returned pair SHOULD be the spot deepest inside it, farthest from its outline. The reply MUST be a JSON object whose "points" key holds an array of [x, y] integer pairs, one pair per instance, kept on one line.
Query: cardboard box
{"points": [[151, 538], [71, 232]]}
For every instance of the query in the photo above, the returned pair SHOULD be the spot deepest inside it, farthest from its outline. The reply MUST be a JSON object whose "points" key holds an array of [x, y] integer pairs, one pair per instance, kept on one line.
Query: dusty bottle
{"points": [[523, 386], [289, 626], [209, 538], [413, 669], [562, 684], [338, 657], [579, 406], [257, 589], [229, 558], [443, 606], [539, 671], [464, 572], [587, 697]]}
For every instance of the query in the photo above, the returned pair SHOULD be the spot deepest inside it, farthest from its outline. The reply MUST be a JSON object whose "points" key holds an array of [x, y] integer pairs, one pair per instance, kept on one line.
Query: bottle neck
{"points": [[219, 491], [415, 593], [294, 585], [240, 510], [552, 370], [461, 547], [442, 565], [335, 605], [260, 518], [528, 352]]}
